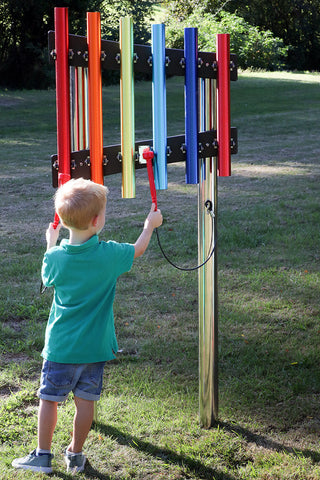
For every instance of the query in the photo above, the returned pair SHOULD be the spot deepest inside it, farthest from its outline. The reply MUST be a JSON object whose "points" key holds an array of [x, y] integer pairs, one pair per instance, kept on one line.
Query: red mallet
{"points": [[148, 156]]}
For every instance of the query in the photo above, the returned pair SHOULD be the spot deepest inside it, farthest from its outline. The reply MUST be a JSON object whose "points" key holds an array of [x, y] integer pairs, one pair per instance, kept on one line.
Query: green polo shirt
{"points": [[80, 327]]}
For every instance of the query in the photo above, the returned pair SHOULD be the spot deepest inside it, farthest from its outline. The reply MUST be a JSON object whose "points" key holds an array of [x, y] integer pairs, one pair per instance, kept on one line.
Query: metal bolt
{"points": [[183, 148]]}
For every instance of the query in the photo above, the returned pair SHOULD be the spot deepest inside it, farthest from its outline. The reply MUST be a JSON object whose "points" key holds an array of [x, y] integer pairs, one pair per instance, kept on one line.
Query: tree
{"points": [[297, 22], [113, 10], [24, 27], [254, 48], [23, 39]]}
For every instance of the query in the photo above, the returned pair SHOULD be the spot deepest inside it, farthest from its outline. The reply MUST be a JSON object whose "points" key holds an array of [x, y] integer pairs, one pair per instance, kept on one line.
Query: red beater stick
{"points": [[148, 155]]}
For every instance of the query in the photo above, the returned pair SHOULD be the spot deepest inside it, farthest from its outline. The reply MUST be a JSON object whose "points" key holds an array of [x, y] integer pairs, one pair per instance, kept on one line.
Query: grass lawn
{"points": [[269, 290]]}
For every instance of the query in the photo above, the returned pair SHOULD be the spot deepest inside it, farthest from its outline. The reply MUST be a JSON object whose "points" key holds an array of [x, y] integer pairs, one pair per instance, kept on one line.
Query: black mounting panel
{"points": [[80, 160], [78, 57], [110, 60]]}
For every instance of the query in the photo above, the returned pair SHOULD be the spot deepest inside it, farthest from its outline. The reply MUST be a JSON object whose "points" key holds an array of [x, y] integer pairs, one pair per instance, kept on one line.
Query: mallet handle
{"points": [[148, 155]]}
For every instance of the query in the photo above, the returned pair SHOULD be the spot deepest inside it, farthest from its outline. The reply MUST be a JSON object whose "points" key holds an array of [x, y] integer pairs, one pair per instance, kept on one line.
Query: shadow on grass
{"points": [[268, 443], [168, 456], [89, 472]]}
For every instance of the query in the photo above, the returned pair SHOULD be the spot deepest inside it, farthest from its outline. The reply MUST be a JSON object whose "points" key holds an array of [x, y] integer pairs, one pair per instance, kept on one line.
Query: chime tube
{"points": [[77, 109], [80, 109], [86, 108], [207, 279], [127, 108], [223, 104], [202, 98], [62, 93], [95, 96], [191, 104], [159, 117], [73, 116]]}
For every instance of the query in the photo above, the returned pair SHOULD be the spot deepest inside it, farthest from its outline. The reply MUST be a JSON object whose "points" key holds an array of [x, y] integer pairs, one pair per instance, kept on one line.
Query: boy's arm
{"points": [[153, 220], [52, 235]]}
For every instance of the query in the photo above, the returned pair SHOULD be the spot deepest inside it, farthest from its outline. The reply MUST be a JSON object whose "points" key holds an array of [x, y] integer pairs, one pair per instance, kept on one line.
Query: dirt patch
{"points": [[7, 391], [14, 357], [9, 101]]}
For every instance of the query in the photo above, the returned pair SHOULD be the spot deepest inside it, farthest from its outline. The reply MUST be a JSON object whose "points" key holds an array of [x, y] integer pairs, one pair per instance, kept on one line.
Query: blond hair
{"points": [[78, 201]]}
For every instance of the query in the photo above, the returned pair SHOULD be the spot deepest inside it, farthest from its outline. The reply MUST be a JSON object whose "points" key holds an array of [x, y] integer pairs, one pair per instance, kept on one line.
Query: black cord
{"points": [[42, 288], [208, 205]]}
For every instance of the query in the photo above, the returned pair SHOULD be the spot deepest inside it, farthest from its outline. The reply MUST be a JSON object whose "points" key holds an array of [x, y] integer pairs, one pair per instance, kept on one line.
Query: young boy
{"points": [[80, 335]]}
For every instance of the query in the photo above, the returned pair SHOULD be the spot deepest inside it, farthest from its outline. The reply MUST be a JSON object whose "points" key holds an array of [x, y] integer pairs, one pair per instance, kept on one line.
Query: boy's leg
{"points": [[81, 424], [36, 461], [47, 420]]}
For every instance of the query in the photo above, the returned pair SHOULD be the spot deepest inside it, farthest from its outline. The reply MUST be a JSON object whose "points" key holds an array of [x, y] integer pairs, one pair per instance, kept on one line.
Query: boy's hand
{"points": [[52, 235], [154, 219]]}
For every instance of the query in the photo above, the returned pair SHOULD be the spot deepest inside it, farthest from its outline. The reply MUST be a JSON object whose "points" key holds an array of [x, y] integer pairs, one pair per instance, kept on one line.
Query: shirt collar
{"points": [[94, 240]]}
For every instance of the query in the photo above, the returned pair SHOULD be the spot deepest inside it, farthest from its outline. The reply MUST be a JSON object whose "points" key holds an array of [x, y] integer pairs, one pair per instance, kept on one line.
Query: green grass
{"points": [[269, 290]]}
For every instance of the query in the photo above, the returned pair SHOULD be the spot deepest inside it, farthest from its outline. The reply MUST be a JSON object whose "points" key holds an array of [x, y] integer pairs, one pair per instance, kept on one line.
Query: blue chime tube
{"points": [[159, 117], [191, 103]]}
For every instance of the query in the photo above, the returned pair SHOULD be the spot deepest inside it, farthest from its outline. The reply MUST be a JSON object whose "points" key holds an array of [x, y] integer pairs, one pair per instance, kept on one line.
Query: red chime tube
{"points": [[223, 104], [63, 97]]}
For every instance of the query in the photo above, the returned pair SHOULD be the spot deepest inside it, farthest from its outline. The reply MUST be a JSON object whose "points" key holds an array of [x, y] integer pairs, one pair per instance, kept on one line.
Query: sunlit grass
{"points": [[268, 285]]}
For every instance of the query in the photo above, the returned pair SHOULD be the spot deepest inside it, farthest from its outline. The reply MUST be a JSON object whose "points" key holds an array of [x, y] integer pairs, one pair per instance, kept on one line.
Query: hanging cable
{"points": [[208, 205], [148, 155]]}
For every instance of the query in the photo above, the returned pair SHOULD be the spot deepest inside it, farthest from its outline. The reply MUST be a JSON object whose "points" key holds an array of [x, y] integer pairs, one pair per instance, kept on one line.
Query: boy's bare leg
{"points": [[81, 424], [47, 420]]}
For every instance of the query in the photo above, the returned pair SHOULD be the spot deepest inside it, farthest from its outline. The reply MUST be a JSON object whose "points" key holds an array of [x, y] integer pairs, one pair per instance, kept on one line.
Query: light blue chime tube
{"points": [[159, 118], [191, 103]]}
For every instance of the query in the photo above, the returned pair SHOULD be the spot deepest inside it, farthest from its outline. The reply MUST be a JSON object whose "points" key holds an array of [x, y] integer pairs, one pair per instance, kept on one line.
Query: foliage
{"points": [[113, 10], [254, 48], [23, 39], [297, 22], [24, 28]]}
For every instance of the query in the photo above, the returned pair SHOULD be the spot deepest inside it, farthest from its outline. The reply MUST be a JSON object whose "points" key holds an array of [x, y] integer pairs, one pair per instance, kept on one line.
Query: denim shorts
{"points": [[59, 379]]}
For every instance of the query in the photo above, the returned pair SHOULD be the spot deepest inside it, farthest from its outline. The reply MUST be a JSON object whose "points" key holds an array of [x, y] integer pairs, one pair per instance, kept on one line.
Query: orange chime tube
{"points": [[95, 96]]}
